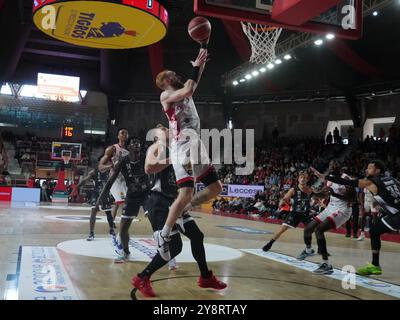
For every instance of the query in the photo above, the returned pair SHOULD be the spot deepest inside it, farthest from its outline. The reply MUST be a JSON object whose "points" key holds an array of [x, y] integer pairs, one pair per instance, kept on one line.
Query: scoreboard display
{"points": [[67, 132]]}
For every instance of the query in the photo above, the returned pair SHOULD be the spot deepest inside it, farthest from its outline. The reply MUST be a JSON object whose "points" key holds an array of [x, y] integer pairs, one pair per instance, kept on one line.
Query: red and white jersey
{"points": [[368, 196], [120, 152], [339, 189], [183, 115]]}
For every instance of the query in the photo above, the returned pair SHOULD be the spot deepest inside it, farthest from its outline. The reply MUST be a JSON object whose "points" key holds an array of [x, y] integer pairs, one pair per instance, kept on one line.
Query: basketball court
{"points": [[232, 247], [44, 253]]}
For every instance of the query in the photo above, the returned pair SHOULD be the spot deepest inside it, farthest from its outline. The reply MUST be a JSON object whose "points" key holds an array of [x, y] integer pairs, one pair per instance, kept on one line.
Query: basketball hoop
{"points": [[263, 41], [66, 156], [66, 159]]}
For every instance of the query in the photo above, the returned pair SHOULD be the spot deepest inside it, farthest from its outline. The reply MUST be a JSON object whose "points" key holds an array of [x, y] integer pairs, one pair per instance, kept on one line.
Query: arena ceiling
{"points": [[343, 65]]}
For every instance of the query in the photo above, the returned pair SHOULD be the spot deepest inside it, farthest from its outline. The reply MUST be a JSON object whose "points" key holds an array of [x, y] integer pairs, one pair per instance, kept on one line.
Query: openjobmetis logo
{"points": [[83, 28]]}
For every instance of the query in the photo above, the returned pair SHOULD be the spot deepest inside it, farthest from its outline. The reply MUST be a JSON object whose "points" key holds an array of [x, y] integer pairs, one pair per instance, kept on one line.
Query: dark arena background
{"points": [[295, 105]]}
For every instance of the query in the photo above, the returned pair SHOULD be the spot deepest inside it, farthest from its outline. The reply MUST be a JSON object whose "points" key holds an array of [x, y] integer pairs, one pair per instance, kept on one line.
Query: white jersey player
{"points": [[111, 156], [338, 210], [118, 189], [334, 216], [187, 153]]}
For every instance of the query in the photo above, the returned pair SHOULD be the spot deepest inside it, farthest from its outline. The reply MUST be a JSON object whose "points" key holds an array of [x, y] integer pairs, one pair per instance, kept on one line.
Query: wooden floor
{"points": [[248, 277]]}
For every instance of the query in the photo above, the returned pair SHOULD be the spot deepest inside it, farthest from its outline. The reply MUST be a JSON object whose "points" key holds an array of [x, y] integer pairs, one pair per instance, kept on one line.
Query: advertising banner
{"points": [[234, 190], [43, 276], [5, 194], [26, 195]]}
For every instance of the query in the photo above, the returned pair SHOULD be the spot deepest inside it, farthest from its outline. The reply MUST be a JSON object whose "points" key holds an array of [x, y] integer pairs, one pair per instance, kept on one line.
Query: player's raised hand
{"points": [[201, 58]]}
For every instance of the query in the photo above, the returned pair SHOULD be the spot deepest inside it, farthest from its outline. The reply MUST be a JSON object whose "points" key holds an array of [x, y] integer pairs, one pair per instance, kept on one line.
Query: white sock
{"points": [[308, 250], [166, 231]]}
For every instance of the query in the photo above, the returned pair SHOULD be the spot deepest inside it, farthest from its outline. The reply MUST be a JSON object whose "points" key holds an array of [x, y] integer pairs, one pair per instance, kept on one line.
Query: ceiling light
{"points": [[287, 57], [255, 73], [270, 66], [278, 61], [248, 76], [263, 69], [318, 42], [235, 83], [375, 13], [330, 36], [242, 80]]}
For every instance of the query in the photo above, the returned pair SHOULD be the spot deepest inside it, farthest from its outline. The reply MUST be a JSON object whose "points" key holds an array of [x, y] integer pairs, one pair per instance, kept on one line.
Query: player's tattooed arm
{"points": [[104, 164], [200, 197], [104, 193]]}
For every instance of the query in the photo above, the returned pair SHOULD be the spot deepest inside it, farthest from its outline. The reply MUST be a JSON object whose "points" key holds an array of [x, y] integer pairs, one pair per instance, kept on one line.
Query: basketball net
{"points": [[263, 41], [66, 159]]}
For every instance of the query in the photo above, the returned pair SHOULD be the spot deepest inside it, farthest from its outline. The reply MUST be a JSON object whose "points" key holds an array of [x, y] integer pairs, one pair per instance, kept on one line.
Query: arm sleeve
{"points": [[195, 74], [344, 182]]}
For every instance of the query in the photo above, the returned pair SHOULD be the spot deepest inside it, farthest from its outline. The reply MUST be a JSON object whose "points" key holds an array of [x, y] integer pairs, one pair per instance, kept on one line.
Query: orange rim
{"points": [[266, 28]]}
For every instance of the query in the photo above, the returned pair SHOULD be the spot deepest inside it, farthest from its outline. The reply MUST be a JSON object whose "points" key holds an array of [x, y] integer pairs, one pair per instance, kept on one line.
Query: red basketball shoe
{"points": [[144, 286], [211, 282]]}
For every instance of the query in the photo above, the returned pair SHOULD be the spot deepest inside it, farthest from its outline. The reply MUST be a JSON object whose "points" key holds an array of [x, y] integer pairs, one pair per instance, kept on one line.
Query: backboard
{"points": [[58, 149], [344, 20]]}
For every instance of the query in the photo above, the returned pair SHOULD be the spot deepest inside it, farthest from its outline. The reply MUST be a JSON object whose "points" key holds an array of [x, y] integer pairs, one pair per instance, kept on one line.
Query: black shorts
{"points": [[157, 207], [133, 202], [295, 218], [392, 221], [105, 205]]}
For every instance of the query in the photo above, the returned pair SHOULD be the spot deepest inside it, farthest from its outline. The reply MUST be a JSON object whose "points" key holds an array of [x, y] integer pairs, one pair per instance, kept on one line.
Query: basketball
{"points": [[199, 29]]}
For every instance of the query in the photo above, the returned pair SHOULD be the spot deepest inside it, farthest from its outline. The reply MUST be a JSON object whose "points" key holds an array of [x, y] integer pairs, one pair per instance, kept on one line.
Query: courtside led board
{"points": [[107, 24]]}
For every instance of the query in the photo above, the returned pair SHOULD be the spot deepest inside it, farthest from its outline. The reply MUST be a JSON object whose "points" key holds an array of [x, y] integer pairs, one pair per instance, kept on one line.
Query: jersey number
{"points": [[394, 192], [149, 4]]}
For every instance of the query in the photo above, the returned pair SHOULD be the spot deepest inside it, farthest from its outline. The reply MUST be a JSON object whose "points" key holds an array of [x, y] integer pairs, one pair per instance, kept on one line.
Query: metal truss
{"points": [[298, 40]]}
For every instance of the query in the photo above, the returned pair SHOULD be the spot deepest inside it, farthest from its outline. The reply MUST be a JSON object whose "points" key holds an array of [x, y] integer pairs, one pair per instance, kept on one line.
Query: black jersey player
{"points": [[300, 213], [162, 195], [138, 184], [99, 178]]}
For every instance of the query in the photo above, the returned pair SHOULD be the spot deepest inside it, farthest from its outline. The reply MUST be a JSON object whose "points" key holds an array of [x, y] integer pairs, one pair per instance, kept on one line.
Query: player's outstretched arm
{"points": [[108, 154], [203, 65], [84, 181], [168, 97], [110, 182]]}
